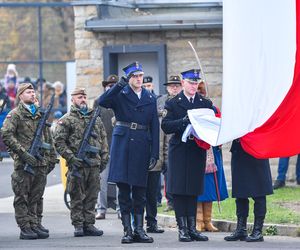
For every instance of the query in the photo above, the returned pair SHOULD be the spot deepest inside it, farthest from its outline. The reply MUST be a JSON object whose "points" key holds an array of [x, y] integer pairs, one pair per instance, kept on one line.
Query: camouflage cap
{"points": [[110, 79], [173, 80], [22, 88], [78, 91]]}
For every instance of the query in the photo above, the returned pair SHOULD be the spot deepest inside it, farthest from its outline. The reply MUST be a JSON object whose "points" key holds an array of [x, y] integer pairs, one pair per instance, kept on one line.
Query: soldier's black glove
{"points": [[186, 120], [75, 162], [152, 163], [123, 82], [29, 159]]}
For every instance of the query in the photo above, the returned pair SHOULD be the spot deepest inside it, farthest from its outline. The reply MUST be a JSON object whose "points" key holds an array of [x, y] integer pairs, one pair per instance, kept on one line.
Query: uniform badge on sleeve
{"points": [[164, 113]]}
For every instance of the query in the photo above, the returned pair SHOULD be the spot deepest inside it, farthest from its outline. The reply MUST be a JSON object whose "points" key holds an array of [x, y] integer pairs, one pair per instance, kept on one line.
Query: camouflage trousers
{"points": [[83, 193], [28, 190]]}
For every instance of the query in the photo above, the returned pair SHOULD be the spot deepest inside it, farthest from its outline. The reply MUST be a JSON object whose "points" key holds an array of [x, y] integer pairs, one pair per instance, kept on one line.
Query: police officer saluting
{"points": [[18, 132], [82, 185], [135, 146], [186, 160]]}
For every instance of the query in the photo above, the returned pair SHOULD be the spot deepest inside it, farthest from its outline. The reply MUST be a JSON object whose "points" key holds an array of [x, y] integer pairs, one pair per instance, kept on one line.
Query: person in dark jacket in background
{"points": [[251, 178]]}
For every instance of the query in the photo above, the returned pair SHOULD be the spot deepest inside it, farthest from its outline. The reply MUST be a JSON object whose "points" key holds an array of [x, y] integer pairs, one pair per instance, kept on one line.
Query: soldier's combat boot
{"points": [[193, 233], [78, 232], [91, 230], [240, 232], [128, 236], [41, 234], [183, 234], [256, 234], [27, 234], [139, 234]]}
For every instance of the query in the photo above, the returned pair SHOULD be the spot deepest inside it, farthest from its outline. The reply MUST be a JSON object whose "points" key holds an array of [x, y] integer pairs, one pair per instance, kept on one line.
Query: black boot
{"points": [[256, 234], [91, 230], [41, 227], [183, 234], [139, 234], [128, 236], [41, 234], [27, 234], [154, 229], [193, 233], [240, 232], [78, 231]]}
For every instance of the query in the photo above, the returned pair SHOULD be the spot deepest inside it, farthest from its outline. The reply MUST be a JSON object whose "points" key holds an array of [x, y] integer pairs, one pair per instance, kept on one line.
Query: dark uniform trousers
{"points": [[185, 205], [260, 206], [131, 198], [151, 197], [28, 190]]}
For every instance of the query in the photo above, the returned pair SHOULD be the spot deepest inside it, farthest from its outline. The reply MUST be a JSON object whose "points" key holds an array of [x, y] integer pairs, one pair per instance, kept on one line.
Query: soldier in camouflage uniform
{"points": [[18, 132], [83, 191], [50, 157]]}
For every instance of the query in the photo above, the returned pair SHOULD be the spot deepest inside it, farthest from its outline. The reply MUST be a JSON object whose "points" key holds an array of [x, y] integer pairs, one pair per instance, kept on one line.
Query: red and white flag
{"points": [[261, 77]]}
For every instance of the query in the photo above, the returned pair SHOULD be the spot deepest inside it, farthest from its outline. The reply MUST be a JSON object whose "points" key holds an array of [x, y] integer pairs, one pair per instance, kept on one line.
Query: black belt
{"points": [[132, 125]]}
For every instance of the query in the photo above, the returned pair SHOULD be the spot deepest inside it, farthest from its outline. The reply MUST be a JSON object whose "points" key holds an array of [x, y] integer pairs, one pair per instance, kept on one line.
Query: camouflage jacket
{"points": [[69, 132], [18, 132]]}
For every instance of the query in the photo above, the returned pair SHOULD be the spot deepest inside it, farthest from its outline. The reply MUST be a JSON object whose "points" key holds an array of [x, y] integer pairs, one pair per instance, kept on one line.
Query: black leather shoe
{"points": [[41, 234], [91, 230], [278, 184], [241, 231], [192, 231], [139, 234], [154, 229], [41, 227], [78, 231], [27, 234]]}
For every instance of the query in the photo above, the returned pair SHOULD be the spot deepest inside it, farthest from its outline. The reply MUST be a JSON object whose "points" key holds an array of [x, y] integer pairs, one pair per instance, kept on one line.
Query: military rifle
{"points": [[37, 143], [85, 147]]}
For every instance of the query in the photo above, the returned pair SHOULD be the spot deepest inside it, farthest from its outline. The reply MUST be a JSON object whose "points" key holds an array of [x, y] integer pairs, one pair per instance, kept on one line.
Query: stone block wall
{"points": [[89, 47]]}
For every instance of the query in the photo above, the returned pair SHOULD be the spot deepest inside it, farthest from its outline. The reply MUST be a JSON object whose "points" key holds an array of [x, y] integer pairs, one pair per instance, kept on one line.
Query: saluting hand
{"points": [[123, 82], [152, 163]]}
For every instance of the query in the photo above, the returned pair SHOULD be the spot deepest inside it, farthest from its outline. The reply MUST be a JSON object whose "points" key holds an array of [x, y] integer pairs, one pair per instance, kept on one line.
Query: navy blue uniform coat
{"points": [[251, 177], [131, 149], [186, 160]]}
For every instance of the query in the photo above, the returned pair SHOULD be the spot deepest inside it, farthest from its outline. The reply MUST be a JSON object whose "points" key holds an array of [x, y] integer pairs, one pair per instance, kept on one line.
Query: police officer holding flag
{"points": [[186, 160], [135, 147]]}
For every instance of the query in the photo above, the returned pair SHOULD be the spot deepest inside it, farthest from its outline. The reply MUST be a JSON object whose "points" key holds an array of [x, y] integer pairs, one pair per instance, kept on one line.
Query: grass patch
{"points": [[283, 207]]}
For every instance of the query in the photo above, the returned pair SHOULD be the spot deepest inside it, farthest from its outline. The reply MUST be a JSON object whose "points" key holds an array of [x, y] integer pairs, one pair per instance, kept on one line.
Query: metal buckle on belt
{"points": [[191, 137], [133, 125]]}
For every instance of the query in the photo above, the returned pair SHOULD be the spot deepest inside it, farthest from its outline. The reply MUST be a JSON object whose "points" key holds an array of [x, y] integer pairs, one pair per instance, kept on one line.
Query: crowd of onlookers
{"points": [[44, 90]]}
